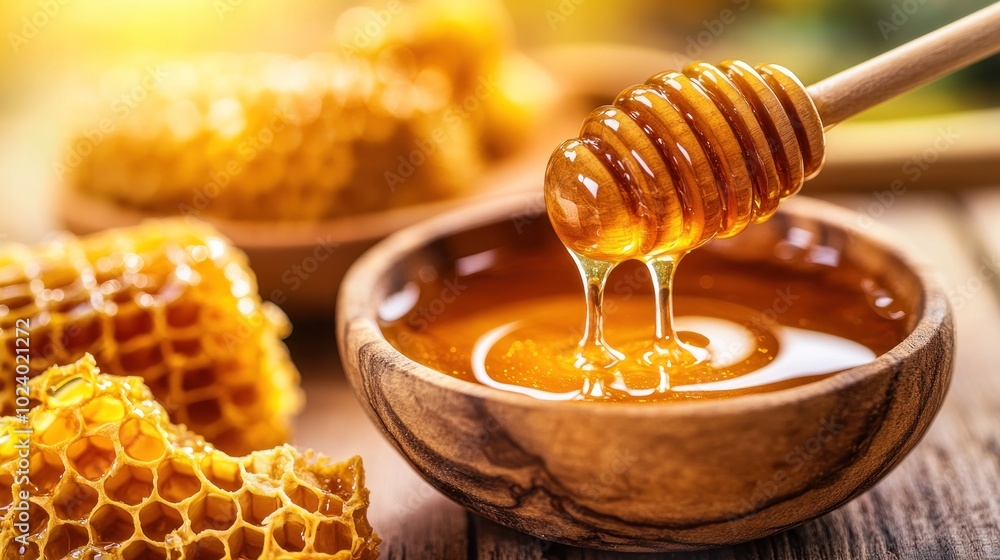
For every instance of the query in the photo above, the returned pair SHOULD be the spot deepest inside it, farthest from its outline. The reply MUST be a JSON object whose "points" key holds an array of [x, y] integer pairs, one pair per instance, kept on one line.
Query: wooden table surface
{"points": [[943, 501]]}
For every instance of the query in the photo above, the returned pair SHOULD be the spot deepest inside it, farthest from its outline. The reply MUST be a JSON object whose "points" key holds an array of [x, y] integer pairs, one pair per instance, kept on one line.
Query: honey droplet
{"points": [[69, 392]]}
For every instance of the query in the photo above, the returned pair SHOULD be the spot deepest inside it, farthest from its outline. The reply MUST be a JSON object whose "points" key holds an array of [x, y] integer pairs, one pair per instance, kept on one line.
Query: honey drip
{"points": [[673, 163]]}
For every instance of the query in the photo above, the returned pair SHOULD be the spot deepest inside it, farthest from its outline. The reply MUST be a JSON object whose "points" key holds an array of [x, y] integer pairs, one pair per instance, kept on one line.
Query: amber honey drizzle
{"points": [[673, 163]]}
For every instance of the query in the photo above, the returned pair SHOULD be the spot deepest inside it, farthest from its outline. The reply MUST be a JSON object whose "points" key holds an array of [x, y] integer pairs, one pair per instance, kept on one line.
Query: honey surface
{"points": [[516, 322]]}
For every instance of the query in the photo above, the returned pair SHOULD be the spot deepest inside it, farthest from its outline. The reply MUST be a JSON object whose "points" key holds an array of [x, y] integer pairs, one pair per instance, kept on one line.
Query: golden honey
{"points": [[675, 162], [512, 318]]}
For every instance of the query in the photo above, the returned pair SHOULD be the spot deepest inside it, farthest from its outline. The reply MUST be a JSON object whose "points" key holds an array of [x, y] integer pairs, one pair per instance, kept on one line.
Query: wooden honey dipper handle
{"points": [[913, 64]]}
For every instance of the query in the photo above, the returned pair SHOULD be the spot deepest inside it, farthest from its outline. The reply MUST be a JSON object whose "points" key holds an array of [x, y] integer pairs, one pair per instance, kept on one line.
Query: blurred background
{"points": [[295, 156], [63, 61]]}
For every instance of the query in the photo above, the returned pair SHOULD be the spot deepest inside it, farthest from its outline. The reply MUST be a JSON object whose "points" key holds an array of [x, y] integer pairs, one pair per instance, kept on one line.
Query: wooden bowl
{"points": [[647, 477]]}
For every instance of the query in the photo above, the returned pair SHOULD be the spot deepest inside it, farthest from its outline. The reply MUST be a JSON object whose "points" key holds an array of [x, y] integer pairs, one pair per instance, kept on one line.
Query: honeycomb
{"points": [[271, 137], [410, 114], [467, 45], [108, 475], [169, 301]]}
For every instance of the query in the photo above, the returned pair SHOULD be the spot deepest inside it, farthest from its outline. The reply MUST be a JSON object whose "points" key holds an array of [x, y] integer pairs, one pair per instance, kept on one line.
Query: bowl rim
{"points": [[935, 311]]}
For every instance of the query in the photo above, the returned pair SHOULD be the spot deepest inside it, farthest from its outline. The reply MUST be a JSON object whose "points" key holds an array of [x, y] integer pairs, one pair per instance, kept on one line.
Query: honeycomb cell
{"points": [[142, 360], [38, 518], [247, 544], [303, 497], [91, 456], [256, 508], [64, 539], [290, 533], [142, 550], [191, 501], [159, 520], [198, 378], [143, 300], [135, 323], [46, 470], [331, 506], [111, 524], [70, 392], [223, 472], [80, 337], [206, 548], [204, 412], [187, 347], [176, 480], [245, 396], [213, 512], [75, 501], [181, 314], [141, 441], [52, 429], [24, 552], [104, 410], [130, 485], [332, 537]]}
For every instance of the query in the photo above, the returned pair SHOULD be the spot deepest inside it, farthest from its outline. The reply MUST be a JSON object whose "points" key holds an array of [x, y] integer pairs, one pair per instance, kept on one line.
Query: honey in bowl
{"points": [[772, 313], [673, 164]]}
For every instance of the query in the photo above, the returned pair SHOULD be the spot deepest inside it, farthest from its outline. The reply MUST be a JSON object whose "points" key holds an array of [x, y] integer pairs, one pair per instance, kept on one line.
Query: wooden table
{"points": [[942, 502]]}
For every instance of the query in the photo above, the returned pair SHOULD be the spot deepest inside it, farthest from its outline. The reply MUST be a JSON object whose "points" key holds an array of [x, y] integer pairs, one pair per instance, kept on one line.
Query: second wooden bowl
{"points": [[697, 474]]}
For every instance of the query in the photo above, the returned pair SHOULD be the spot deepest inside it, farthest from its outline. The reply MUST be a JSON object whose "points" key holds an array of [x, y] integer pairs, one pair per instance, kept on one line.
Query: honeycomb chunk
{"points": [[133, 485], [171, 302], [470, 47], [271, 137]]}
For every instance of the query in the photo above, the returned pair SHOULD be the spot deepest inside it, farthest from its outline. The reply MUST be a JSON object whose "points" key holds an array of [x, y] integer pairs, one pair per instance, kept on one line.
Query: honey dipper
{"points": [[692, 155]]}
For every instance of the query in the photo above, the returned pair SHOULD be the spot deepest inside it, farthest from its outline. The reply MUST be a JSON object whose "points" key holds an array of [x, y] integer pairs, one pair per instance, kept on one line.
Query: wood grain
{"points": [[532, 465]]}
